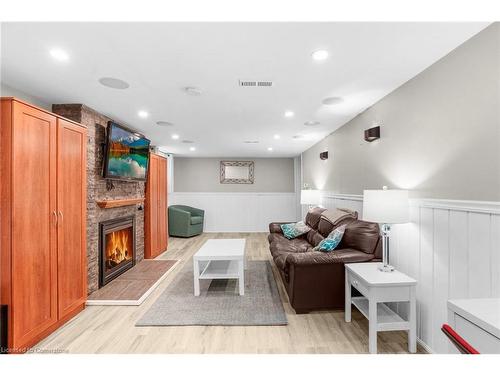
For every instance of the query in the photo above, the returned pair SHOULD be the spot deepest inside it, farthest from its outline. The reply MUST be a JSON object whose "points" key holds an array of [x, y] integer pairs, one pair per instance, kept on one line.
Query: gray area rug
{"points": [[219, 302]]}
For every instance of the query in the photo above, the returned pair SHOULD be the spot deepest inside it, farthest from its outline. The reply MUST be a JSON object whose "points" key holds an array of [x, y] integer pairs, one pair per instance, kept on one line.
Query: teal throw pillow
{"points": [[332, 241], [293, 230]]}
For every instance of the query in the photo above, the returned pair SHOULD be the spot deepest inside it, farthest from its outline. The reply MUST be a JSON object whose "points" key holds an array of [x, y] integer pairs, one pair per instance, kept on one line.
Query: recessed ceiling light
{"points": [[114, 83], [289, 114], [332, 100], [164, 123], [194, 91], [311, 123], [320, 55], [142, 114], [59, 54], [269, 149], [192, 148], [252, 142], [276, 136], [187, 141], [175, 136]]}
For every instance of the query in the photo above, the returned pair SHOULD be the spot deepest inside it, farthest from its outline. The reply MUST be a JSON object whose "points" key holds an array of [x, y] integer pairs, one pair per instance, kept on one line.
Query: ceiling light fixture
{"points": [[332, 100], [114, 83], [164, 123], [143, 114], [59, 54], [311, 123], [193, 91], [175, 136], [289, 114], [269, 149], [276, 136], [192, 148], [320, 55]]}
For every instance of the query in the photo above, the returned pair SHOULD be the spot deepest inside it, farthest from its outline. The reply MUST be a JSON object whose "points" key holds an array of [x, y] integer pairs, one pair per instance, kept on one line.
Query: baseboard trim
{"points": [[132, 302]]}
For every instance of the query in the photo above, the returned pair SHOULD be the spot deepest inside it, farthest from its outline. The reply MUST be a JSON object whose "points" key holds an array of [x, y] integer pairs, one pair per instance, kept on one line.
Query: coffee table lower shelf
{"points": [[220, 269]]}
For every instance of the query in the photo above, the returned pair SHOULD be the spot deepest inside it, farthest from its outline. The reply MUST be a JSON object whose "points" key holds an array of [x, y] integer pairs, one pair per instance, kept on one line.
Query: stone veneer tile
{"points": [[96, 188]]}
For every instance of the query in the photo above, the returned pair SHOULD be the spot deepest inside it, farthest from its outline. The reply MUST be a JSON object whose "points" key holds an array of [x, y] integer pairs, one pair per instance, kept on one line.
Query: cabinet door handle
{"points": [[61, 214], [55, 217]]}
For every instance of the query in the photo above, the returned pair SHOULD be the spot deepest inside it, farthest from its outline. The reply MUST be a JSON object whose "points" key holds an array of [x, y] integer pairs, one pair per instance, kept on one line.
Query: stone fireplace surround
{"points": [[97, 189]]}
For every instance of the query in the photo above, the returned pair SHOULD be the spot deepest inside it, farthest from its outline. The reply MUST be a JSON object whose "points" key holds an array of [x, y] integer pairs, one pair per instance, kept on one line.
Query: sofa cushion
{"points": [[325, 226], [294, 230], [282, 245], [313, 216], [361, 235], [337, 256], [196, 220], [314, 238]]}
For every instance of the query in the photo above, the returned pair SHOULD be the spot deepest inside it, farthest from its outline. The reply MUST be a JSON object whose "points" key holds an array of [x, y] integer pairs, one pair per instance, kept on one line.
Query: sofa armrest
{"points": [[197, 212], [276, 227], [179, 216]]}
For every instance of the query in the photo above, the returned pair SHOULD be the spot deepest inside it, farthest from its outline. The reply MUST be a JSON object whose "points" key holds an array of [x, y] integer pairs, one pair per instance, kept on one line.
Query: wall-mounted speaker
{"points": [[323, 155], [372, 134]]}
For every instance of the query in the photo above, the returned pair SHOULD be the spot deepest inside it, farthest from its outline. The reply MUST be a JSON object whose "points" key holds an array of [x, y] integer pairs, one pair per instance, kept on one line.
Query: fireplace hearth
{"points": [[116, 248]]}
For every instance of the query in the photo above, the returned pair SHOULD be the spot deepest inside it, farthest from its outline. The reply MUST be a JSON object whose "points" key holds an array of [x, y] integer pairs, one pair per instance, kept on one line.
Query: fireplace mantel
{"points": [[112, 203]]}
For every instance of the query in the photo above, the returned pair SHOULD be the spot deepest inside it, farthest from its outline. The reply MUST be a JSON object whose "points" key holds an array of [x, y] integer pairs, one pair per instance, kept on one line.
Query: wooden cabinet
{"points": [[156, 238], [71, 210], [43, 208]]}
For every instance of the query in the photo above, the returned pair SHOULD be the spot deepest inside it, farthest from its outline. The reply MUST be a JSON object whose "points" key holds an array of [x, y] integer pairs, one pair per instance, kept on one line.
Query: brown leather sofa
{"points": [[313, 279]]}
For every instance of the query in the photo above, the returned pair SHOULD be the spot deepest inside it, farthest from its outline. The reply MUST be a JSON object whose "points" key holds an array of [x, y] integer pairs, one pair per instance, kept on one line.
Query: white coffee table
{"points": [[220, 259]]}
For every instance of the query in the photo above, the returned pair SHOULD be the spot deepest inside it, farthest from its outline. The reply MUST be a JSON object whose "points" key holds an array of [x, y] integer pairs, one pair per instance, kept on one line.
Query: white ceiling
{"points": [[366, 62]]}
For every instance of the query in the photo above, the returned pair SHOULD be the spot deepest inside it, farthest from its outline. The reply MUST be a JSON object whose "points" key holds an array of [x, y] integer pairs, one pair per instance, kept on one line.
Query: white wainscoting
{"points": [[240, 212], [451, 247]]}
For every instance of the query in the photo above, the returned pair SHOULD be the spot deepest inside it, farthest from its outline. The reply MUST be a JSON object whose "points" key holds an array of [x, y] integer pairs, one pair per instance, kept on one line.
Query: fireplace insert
{"points": [[116, 248]]}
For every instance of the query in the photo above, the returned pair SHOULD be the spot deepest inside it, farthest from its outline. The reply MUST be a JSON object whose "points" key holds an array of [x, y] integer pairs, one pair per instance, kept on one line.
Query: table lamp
{"points": [[386, 207], [310, 197]]}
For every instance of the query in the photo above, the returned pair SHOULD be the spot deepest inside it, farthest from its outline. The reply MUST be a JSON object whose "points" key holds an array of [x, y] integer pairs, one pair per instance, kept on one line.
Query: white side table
{"points": [[378, 287]]}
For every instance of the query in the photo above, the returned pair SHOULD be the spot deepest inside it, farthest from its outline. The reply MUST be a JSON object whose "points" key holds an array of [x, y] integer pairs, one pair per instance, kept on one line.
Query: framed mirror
{"points": [[236, 172]]}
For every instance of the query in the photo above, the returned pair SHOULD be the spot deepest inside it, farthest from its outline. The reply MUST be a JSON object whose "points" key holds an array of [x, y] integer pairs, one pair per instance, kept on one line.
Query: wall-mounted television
{"points": [[127, 154]]}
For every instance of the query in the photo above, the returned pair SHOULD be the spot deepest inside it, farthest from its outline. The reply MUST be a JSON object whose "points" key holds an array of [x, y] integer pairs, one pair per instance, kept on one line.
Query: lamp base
{"points": [[385, 268]]}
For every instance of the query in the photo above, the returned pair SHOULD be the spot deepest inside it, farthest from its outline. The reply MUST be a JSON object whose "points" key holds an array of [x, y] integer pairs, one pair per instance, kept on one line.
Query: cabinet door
{"points": [[162, 208], [71, 210], [152, 209], [34, 251]]}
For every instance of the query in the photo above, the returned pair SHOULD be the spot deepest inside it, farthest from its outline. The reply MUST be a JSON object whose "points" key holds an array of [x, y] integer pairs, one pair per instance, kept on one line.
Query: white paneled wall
{"points": [[240, 212], [451, 247]]}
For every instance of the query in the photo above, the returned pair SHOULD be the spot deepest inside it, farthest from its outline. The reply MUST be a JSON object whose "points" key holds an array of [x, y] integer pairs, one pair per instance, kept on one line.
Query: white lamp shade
{"points": [[386, 206], [309, 197]]}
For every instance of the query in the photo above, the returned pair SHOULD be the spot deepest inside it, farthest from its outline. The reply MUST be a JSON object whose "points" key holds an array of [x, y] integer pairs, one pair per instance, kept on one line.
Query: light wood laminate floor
{"points": [[111, 329]]}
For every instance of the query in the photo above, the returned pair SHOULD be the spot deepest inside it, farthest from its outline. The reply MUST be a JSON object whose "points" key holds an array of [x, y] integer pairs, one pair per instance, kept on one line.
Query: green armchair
{"points": [[185, 221]]}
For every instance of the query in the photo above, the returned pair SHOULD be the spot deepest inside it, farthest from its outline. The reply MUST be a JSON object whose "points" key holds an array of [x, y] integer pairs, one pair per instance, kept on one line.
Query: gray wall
{"points": [[6, 90], [440, 133], [202, 175]]}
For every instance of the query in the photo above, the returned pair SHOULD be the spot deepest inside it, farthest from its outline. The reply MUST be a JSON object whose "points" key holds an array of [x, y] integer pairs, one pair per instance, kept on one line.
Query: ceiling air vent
{"points": [[256, 83]]}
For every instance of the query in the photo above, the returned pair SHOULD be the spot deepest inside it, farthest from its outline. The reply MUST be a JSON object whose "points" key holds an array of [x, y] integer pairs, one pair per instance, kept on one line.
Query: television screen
{"points": [[127, 154]]}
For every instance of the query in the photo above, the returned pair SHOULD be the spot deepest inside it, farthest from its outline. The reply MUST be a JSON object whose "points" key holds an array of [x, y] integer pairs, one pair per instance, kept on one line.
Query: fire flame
{"points": [[118, 247]]}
